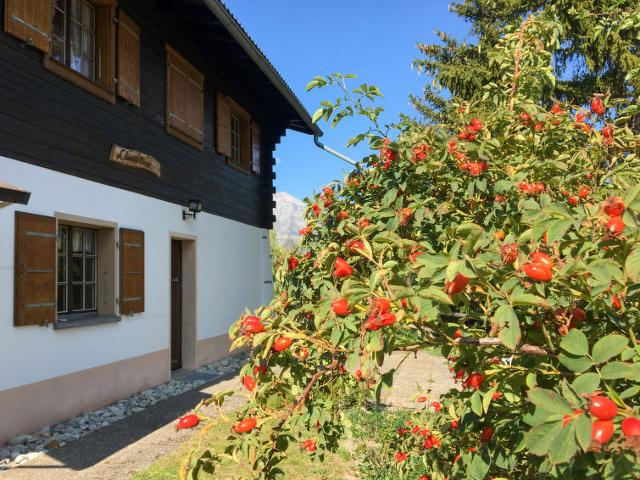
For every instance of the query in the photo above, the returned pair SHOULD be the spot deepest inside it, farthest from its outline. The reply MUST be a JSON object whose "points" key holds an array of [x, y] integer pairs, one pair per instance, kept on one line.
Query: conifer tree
{"points": [[599, 53]]}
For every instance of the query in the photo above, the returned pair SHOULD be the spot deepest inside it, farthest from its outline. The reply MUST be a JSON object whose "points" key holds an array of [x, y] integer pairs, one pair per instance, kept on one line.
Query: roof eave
{"points": [[240, 35]]}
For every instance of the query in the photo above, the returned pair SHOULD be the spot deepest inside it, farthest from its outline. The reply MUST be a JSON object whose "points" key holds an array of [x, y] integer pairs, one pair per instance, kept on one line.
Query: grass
{"points": [[298, 465]]}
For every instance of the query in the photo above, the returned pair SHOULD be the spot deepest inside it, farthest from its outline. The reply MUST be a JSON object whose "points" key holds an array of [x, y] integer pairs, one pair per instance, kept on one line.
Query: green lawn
{"points": [[298, 465]]}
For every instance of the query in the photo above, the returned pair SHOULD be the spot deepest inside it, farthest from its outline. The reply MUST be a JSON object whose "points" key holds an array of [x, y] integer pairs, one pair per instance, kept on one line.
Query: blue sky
{"points": [[373, 39]]}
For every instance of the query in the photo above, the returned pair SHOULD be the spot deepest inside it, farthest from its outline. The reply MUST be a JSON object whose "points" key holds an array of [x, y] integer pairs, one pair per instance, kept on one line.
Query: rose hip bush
{"points": [[506, 241]]}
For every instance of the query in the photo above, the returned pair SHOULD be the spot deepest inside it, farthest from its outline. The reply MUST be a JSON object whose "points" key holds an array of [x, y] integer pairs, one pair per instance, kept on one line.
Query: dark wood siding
{"points": [[48, 121]]}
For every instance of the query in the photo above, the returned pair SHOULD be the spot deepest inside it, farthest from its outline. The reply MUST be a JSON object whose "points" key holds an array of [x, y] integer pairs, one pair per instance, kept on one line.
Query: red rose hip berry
{"points": [[245, 425], [613, 206], [602, 408], [538, 272], [631, 427], [457, 285], [615, 225], [187, 421], [252, 324], [340, 307], [341, 268], [249, 383], [281, 343], [602, 431]]}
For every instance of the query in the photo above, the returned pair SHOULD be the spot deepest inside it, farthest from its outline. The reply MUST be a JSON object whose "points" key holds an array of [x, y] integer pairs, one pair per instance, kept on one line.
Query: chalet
{"points": [[143, 131]]}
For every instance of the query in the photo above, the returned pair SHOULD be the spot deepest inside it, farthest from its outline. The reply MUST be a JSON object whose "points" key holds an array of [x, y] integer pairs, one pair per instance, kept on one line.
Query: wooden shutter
{"points": [[35, 270], [131, 271], [223, 122], [29, 20], [185, 100], [105, 45], [128, 59], [255, 148]]}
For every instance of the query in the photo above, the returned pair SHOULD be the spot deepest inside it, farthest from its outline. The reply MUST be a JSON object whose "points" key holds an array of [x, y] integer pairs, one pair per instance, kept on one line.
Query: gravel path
{"points": [[419, 374], [114, 448], [134, 442]]}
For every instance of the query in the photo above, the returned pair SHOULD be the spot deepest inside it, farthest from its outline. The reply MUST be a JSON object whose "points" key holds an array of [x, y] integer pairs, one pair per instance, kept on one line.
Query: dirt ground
{"points": [[132, 444]]}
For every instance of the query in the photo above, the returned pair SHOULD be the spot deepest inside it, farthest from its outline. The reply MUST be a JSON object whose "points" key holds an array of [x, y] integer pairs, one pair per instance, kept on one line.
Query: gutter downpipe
{"points": [[322, 146]]}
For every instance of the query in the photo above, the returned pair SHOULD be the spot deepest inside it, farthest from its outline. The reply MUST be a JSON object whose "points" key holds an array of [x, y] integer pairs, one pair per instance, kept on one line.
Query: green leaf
{"points": [[507, 321], [586, 384], [575, 363], [632, 265], [583, 431], [575, 342], [608, 347], [557, 229], [317, 115], [527, 299], [353, 361], [549, 400], [633, 196], [630, 392], [564, 446], [375, 341], [436, 294], [452, 269], [614, 370], [487, 397], [476, 403], [477, 468], [502, 186], [603, 270], [539, 439], [385, 383]]}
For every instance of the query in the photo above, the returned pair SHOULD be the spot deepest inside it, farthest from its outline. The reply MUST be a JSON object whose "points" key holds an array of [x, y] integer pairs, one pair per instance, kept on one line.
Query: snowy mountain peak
{"points": [[289, 213]]}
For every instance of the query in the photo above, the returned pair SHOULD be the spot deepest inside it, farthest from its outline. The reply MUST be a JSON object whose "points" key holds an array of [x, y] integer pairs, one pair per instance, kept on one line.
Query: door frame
{"points": [[189, 296]]}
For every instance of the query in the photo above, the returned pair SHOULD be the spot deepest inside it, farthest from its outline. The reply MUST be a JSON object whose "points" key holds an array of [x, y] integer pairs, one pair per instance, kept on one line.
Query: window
{"points": [[83, 44], [73, 36], [237, 137], [236, 150], [77, 266]]}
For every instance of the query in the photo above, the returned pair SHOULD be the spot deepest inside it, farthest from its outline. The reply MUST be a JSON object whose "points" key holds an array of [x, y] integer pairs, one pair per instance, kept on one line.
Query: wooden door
{"points": [[176, 304]]}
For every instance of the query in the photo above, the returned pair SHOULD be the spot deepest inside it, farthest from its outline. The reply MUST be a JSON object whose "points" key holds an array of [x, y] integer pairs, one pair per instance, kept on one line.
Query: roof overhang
{"points": [[217, 38], [226, 18], [10, 194]]}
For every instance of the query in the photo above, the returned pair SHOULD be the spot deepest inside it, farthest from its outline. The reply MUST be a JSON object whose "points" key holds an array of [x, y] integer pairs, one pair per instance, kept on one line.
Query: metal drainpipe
{"points": [[330, 150]]}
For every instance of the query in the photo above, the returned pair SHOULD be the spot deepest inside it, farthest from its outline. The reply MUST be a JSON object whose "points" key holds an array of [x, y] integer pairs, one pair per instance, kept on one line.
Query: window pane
{"points": [[58, 24], [89, 269], [87, 69], [76, 9], [75, 49], [59, 4], [62, 269], [57, 50], [76, 244], [88, 16], [89, 297], [76, 269], [77, 294], [87, 43], [89, 242], [62, 298], [62, 240], [75, 33]]}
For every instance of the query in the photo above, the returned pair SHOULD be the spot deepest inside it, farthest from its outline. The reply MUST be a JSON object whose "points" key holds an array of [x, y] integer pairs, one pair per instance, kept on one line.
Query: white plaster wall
{"points": [[232, 265]]}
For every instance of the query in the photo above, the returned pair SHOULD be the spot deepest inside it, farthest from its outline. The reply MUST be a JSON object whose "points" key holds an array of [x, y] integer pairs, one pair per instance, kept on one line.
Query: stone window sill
{"points": [[84, 320]]}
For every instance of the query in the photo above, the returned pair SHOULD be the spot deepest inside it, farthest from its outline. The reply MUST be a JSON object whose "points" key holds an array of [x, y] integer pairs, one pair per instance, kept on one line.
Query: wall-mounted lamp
{"points": [[10, 194], [195, 207]]}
